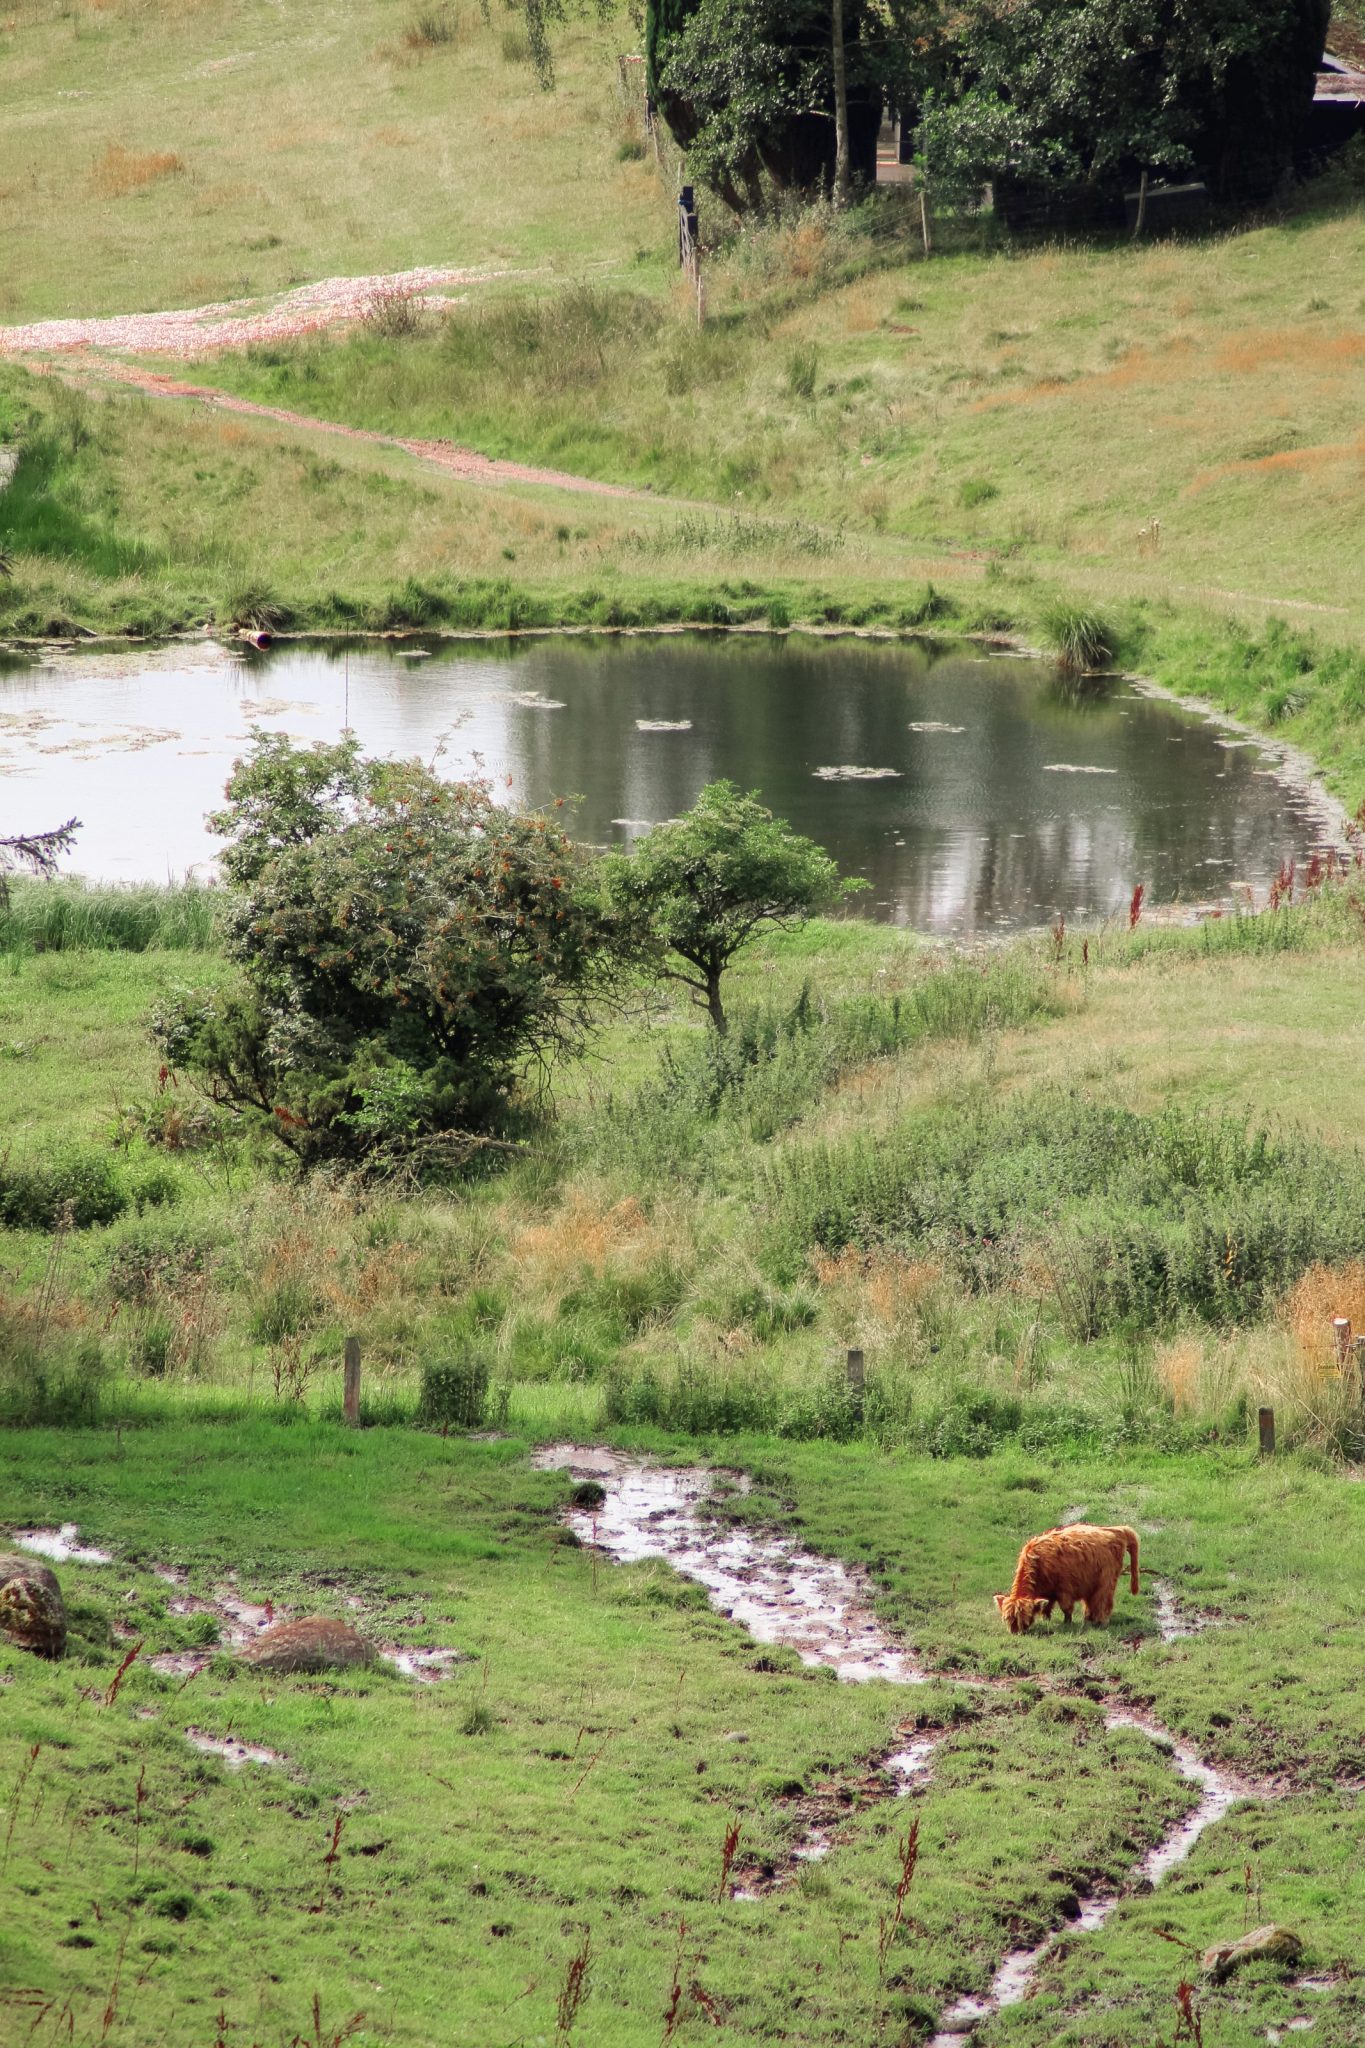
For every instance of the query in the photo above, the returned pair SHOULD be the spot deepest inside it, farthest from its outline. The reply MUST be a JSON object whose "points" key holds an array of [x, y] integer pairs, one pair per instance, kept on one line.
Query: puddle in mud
{"points": [[62, 1545], [783, 1594], [827, 1809], [233, 1753], [772, 1587], [238, 1620], [427, 1667], [1174, 1618]]}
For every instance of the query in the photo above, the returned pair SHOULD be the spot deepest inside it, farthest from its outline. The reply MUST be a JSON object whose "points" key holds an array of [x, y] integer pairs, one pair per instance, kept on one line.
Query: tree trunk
{"points": [[843, 170], [714, 1003]]}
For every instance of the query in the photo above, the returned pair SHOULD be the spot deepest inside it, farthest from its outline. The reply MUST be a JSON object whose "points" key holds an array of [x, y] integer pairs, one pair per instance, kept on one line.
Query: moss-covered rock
{"points": [[32, 1612]]}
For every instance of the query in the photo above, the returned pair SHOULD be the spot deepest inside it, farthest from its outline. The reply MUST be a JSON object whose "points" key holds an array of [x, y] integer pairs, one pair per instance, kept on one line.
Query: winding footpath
{"points": [[74, 349], [783, 1594]]}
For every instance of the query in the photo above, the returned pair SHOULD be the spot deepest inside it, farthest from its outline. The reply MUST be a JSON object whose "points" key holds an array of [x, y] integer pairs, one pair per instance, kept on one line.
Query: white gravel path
{"points": [[238, 323]]}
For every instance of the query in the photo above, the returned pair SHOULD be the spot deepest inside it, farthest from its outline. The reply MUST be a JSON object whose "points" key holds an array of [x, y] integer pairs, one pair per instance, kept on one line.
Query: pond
{"points": [[976, 793]]}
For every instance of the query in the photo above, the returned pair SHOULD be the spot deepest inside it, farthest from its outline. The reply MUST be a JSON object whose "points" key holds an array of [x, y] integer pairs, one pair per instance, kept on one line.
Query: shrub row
{"points": [[79, 1188], [1130, 1220]]}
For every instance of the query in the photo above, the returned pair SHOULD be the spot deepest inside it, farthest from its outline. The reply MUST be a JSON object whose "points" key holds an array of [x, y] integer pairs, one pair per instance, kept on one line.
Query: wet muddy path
{"points": [[785, 1595]]}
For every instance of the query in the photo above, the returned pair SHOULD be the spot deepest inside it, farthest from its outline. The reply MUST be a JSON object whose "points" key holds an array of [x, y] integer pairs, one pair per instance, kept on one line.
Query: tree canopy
{"points": [[701, 887], [1080, 96], [750, 87], [409, 949]]}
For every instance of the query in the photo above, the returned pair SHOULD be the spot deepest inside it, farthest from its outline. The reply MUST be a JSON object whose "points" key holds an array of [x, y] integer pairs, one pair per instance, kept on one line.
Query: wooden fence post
{"points": [[351, 1399], [689, 247], [1341, 1332], [857, 1382], [1266, 1419]]}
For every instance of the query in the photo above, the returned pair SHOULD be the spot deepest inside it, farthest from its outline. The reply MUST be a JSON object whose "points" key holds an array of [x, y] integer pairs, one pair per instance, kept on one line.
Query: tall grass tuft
{"points": [[73, 916], [1125, 1221], [1080, 639]]}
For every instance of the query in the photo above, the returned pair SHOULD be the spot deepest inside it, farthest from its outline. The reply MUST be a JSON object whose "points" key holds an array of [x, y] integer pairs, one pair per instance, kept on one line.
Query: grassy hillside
{"points": [[164, 153], [1163, 433], [656, 1271], [578, 1773], [984, 1172]]}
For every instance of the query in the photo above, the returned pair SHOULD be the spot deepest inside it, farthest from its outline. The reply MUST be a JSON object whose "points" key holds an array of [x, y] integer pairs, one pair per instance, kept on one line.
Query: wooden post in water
{"points": [[1266, 1419], [857, 1382], [1341, 1332], [351, 1398]]}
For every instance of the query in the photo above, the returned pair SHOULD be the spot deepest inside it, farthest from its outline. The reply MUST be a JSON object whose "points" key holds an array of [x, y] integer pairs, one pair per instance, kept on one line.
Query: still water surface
{"points": [[1009, 798]]}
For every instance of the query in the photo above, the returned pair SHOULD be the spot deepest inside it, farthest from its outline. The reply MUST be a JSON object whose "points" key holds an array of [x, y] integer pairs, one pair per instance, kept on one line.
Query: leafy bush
{"points": [[408, 948], [455, 1396], [81, 1187], [702, 887]]}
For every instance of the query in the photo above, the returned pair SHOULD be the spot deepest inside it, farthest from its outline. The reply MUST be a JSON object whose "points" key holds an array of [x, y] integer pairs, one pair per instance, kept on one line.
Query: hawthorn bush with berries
{"points": [[411, 953]]}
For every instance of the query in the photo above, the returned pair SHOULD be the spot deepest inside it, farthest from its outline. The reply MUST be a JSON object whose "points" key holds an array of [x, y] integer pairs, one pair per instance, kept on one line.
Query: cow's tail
{"points": [[1130, 1545]]}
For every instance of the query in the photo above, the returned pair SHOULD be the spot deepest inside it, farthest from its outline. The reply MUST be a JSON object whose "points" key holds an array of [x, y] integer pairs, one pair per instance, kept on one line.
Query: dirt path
{"points": [[465, 463], [240, 323]]}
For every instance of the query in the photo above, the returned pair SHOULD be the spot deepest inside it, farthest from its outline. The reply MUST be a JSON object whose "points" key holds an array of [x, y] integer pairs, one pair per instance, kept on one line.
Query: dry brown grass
{"points": [[876, 1295], [1300, 459], [121, 171], [1204, 1375], [1180, 1374], [1323, 1293], [584, 1236]]}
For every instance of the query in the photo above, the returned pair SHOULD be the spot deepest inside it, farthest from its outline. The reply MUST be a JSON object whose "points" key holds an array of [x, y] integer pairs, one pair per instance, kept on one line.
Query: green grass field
{"points": [[218, 151], [576, 1776]]}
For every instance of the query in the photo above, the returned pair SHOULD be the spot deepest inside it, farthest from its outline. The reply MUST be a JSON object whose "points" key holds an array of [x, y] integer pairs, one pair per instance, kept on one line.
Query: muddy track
{"points": [[783, 1594]]}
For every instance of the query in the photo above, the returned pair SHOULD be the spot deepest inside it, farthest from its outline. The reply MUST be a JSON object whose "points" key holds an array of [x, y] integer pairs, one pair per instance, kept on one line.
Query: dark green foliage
{"points": [[701, 887], [82, 1187], [747, 88], [408, 948], [664, 23], [455, 1396], [1133, 1221], [1073, 99]]}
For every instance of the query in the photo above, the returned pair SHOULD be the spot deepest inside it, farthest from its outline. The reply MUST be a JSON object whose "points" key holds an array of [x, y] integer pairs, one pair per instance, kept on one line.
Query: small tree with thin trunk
{"points": [[703, 886]]}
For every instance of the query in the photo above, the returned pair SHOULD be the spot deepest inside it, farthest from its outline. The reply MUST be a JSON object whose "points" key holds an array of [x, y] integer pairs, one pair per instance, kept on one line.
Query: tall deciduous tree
{"points": [[790, 89], [1078, 96], [703, 886]]}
